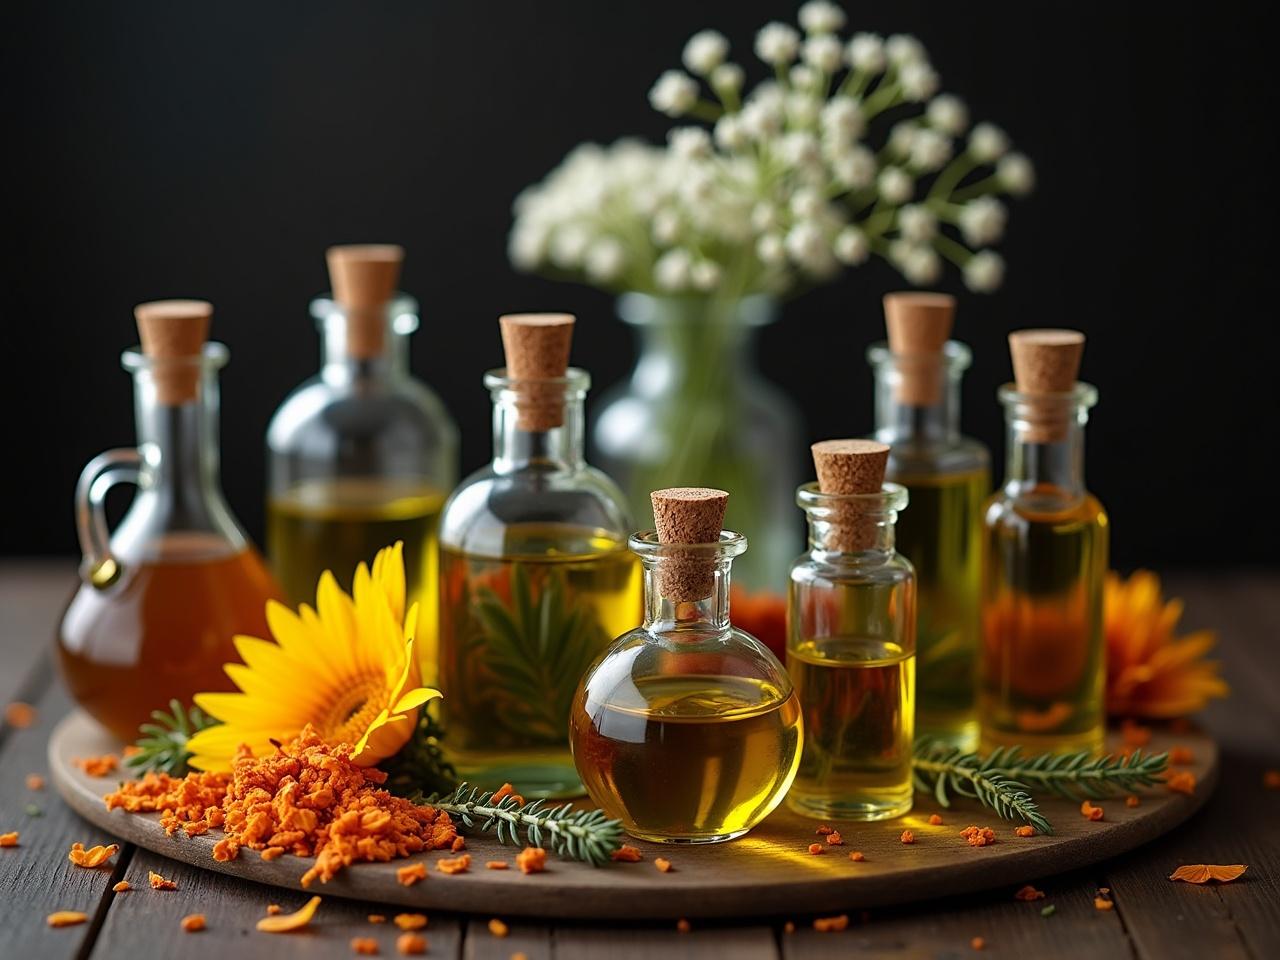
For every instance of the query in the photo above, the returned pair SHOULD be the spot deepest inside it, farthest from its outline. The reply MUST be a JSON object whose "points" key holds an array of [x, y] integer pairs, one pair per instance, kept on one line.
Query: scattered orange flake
{"points": [[130, 750], [455, 864], [193, 922], [284, 923], [504, 791], [1132, 800], [831, 924], [377, 918], [1090, 812], [1029, 893], [1135, 734], [663, 864], [122, 886], [935, 820], [1271, 779], [66, 918], [9, 839], [822, 830], [364, 946], [1181, 756], [160, 883], [532, 860], [1026, 830], [683, 925], [98, 766], [977, 943], [498, 864], [835, 839], [411, 921], [411, 944], [815, 848], [459, 844], [408, 876], [789, 927], [1204, 872], [20, 715], [907, 837], [627, 854], [94, 856], [1181, 781], [35, 781], [1102, 903], [498, 928], [273, 909], [856, 856], [978, 836]]}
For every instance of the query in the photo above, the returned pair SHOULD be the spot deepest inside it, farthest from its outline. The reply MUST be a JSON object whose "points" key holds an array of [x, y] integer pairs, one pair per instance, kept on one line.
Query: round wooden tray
{"points": [[769, 872]]}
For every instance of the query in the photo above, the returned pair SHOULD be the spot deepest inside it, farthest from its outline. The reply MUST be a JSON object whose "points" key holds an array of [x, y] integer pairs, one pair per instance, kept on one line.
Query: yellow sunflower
{"points": [[347, 667], [1150, 672]]}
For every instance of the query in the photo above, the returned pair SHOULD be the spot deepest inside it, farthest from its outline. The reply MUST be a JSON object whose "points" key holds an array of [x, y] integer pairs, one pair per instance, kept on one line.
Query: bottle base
{"points": [[687, 840], [837, 808]]}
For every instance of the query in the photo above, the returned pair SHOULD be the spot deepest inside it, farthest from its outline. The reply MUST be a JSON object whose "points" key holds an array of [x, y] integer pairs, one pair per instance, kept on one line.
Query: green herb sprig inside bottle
{"points": [[535, 577]]}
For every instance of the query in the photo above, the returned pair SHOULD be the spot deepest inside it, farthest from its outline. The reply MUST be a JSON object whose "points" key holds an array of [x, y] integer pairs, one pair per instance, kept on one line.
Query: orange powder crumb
{"points": [[907, 837], [856, 856], [19, 715], [411, 921], [1029, 893], [683, 925], [455, 865], [835, 839], [935, 820], [1026, 830], [1204, 872], [1132, 800], [627, 854], [377, 918], [815, 848], [822, 830], [9, 839], [1134, 734], [272, 853], [498, 928], [408, 876], [496, 865], [459, 844], [122, 886], [160, 883], [274, 909], [1181, 781], [532, 860], [977, 943], [307, 798], [35, 781], [98, 766], [411, 944], [1090, 812], [66, 918], [1181, 756], [1271, 779], [130, 750], [193, 922], [504, 791], [364, 946], [286, 923], [831, 924], [94, 856], [1102, 903], [978, 836], [663, 864]]}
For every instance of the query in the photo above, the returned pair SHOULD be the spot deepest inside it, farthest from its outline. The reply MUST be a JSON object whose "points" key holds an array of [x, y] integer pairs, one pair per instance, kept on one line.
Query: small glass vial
{"points": [[163, 595], [1043, 667], [948, 477], [536, 578], [363, 454], [851, 640], [687, 729]]}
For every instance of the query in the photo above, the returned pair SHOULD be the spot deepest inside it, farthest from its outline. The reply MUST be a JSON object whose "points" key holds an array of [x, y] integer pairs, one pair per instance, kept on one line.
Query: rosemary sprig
{"points": [[586, 835], [163, 744], [1078, 775]]}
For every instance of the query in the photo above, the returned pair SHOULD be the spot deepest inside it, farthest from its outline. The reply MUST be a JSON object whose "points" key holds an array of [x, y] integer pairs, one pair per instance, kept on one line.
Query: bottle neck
{"points": [[538, 425], [1045, 443], [365, 346], [917, 399], [664, 615], [851, 528]]}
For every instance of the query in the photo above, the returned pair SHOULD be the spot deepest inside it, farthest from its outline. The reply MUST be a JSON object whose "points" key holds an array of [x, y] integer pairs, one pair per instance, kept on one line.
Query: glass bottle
{"points": [[535, 580], [851, 651], [163, 595], [1043, 668], [948, 475], [688, 728], [363, 454]]}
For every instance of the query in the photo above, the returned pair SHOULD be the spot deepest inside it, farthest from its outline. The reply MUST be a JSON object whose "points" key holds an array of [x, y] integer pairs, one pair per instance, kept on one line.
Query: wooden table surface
{"points": [[1152, 917]]}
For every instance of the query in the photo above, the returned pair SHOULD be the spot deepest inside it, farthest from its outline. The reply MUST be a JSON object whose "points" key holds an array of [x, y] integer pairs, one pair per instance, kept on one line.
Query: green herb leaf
{"points": [[163, 744]]}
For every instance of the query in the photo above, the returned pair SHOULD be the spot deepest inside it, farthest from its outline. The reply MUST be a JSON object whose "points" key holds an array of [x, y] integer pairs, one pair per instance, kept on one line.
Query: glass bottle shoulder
{"points": [[1017, 509], [916, 458]]}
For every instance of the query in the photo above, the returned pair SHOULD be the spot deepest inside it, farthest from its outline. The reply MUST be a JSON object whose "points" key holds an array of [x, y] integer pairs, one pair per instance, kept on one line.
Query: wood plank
{"points": [[32, 596], [532, 938], [703, 942], [147, 923]]}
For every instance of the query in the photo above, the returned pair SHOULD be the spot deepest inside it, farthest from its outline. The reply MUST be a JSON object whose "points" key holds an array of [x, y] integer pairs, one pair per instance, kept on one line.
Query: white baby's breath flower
{"points": [[806, 245], [764, 217], [690, 143], [801, 149], [948, 114], [918, 80], [729, 132], [806, 203], [771, 250], [705, 51], [922, 266], [665, 227], [896, 186], [704, 275], [984, 272], [855, 167], [987, 142], [917, 223], [902, 49], [851, 246], [821, 16], [1016, 174], [727, 78], [842, 118], [674, 94], [671, 270], [527, 245], [569, 244], [982, 221], [777, 43], [763, 118], [697, 186], [824, 53], [930, 150], [803, 77], [604, 260], [901, 136], [866, 53]]}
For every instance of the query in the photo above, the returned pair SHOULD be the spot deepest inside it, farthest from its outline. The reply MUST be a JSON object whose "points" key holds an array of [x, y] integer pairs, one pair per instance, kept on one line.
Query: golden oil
{"points": [[857, 699], [689, 758], [942, 537], [517, 632], [1043, 669]]}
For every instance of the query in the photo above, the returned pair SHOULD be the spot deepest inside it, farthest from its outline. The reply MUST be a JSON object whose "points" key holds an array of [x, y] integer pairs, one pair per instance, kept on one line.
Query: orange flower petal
{"points": [[1204, 872], [286, 922]]}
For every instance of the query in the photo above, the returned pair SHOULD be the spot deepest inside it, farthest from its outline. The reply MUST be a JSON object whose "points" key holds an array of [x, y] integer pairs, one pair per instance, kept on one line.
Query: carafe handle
{"points": [[98, 567]]}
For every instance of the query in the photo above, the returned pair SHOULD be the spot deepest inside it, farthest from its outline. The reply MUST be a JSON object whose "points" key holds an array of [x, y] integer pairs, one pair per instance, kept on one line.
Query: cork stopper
{"points": [[364, 277], [173, 334], [846, 468], [919, 325], [691, 515], [1046, 363], [537, 351]]}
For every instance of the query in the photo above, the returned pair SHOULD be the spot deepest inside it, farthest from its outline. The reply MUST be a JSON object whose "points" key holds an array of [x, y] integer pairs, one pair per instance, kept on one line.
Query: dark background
{"points": [[215, 150]]}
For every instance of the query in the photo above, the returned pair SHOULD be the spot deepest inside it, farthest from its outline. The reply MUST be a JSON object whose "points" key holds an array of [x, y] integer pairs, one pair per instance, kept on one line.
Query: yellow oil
{"points": [[694, 759], [1043, 667], [337, 524], [941, 534], [516, 635], [856, 697]]}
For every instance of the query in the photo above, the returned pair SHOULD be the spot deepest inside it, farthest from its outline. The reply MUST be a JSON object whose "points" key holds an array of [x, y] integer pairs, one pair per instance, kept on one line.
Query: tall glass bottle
{"points": [[851, 640], [535, 577], [688, 729], [163, 595], [363, 454], [917, 402], [1043, 666]]}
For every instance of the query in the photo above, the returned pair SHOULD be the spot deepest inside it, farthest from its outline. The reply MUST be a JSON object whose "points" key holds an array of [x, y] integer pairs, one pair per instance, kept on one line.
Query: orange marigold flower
{"points": [[284, 923], [1029, 893], [1204, 872], [455, 865], [9, 839], [815, 848], [1151, 672], [364, 946], [935, 820], [411, 921], [856, 856], [94, 856], [532, 860], [19, 715], [66, 918], [193, 922], [1090, 812], [764, 616], [498, 928], [831, 924], [627, 854], [1181, 781], [35, 781], [663, 864], [1132, 800], [122, 886], [160, 883], [1026, 830], [411, 944]]}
